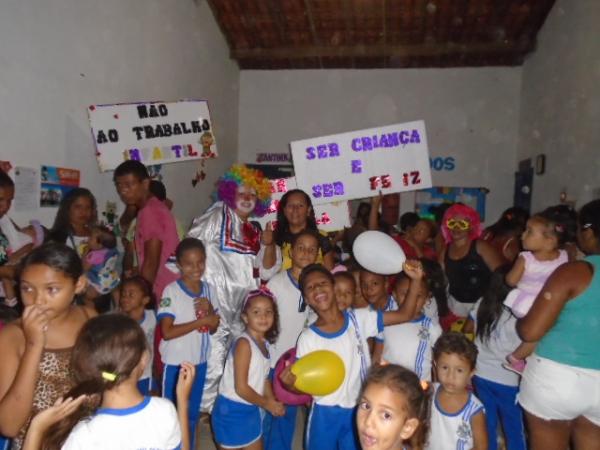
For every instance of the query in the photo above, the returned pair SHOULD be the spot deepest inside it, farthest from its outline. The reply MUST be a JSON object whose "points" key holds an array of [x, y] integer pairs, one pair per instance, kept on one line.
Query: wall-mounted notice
{"points": [[153, 132], [56, 182], [330, 216], [27, 183], [359, 164]]}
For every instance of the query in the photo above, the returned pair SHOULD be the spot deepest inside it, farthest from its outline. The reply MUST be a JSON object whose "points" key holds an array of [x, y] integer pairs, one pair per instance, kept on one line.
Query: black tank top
{"points": [[468, 277]]}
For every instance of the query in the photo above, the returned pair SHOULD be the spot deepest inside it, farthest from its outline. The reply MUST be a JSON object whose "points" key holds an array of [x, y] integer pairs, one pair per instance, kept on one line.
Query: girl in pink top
{"points": [[544, 234]]}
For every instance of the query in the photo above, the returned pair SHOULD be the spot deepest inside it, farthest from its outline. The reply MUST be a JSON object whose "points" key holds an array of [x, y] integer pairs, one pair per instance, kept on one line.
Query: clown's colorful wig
{"points": [[239, 175], [467, 212]]}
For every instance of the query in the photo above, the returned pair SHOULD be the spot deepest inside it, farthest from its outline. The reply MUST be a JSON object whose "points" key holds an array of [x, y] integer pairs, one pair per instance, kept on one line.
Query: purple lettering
{"points": [[316, 191], [134, 154], [322, 151], [177, 150], [356, 165], [403, 137], [338, 188], [366, 144], [334, 150]]}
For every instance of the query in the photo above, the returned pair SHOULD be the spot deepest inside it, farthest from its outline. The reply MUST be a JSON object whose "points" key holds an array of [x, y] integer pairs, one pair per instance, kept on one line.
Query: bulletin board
{"points": [[426, 199]]}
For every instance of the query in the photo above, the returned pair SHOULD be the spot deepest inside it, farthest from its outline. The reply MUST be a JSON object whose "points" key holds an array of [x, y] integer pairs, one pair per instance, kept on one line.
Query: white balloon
{"points": [[378, 252]]}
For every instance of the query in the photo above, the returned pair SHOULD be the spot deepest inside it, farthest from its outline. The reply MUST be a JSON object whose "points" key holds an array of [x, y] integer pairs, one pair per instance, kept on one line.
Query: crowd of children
{"points": [[97, 323]]}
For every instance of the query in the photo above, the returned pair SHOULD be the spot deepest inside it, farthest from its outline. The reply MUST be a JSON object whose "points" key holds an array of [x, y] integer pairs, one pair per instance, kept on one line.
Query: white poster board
{"points": [[330, 216], [152, 132], [359, 164]]}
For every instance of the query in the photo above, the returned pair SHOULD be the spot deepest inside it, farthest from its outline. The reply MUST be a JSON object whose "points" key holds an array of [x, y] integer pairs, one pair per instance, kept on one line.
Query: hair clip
{"points": [[263, 291], [109, 376], [559, 228], [424, 385]]}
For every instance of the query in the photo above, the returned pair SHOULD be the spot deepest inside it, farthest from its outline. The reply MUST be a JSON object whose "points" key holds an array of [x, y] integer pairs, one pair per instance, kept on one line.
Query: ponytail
{"points": [[418, 441], [106, 352], [492, 304]]}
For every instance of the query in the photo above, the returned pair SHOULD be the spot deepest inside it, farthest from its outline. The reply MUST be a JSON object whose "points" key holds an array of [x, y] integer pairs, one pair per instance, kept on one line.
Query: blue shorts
{"points": [[235, 424], [4, 443], [331, 427]]}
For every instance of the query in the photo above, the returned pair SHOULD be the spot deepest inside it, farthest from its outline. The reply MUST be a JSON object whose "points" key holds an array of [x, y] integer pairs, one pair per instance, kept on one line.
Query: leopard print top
{"points": [[55, 379]]}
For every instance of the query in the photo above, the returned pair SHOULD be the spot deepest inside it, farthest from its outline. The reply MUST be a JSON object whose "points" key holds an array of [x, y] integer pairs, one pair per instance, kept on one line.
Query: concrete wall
{"points": [[560, 107], [60, 56], [471, 115]]}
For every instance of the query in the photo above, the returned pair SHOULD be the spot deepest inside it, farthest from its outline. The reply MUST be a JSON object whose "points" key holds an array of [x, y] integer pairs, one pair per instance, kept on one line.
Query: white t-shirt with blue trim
{"points": [[410, 345], [178, 302], [148, 324], [492, 352], [153, 424], [452, 431], [291, 320], [351, 346], [390, 305], [258, 371]]}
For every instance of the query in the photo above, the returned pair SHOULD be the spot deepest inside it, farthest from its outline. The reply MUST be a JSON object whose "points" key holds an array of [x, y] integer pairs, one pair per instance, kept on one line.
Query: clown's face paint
{"points": [[245, 201]]}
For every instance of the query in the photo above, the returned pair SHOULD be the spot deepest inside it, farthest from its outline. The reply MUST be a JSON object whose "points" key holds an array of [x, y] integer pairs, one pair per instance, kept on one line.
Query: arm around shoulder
{"points": [[565, 283]]}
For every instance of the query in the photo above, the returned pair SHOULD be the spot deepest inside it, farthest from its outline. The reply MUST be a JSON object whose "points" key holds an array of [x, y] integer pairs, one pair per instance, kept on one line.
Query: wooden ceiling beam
{"points": [[313, 31], [376, 51]]}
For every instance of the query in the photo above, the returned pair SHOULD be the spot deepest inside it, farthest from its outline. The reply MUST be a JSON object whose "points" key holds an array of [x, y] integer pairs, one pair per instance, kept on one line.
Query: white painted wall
{"points": [[560, 107], [58, 57], [470, 114]]}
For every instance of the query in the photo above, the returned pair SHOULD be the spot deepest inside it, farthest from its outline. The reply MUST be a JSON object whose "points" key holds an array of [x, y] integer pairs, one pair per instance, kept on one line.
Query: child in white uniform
{"points": [[495, 334], [278, 432], [331, 422], [457, 416], [245, 388], [374, 288], [410, 344], [108, 359], [134, 301], [185, 328]]}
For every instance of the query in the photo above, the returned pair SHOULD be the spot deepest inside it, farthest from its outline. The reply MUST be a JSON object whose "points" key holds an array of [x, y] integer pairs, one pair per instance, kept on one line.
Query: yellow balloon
{"points": [[319, 373]]}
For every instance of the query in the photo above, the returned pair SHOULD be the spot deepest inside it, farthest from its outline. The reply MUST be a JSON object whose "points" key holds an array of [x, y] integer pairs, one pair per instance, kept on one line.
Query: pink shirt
{"points": [[155, 221]]}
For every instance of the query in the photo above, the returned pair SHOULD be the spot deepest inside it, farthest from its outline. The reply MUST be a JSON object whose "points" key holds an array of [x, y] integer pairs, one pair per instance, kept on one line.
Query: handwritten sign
{"points": [[359, 164], [330, 216], [153, 132]]}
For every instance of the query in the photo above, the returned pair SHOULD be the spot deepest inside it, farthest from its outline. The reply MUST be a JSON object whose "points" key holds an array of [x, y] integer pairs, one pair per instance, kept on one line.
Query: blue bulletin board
{"points": [[425, 199]]}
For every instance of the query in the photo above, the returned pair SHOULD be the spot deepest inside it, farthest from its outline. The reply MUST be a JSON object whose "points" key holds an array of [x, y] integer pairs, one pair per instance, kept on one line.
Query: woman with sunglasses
{"points": [[467, 260], [560, 388]]}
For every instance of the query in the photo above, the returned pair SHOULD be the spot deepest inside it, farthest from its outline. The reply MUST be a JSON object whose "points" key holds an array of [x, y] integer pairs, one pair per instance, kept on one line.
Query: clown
{"points": [[238, 256], [468, 260]]}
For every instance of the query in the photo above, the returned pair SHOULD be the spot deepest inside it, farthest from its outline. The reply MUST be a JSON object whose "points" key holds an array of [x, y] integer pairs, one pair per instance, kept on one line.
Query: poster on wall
{"points": [[359, 164], [27, 182], [56, 182], [330, 216], [152, 132], [428, 199]]}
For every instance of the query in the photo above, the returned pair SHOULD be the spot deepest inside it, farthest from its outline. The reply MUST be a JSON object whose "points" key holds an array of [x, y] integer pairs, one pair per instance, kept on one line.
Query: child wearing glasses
{"points": [[468, 260]]}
